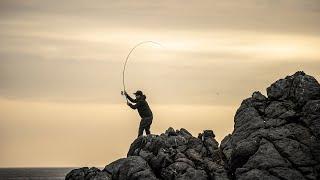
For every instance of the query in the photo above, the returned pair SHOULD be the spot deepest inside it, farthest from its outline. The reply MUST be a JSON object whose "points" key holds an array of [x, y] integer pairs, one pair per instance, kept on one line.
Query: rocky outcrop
{"points": [[274, 137], [86, 173], [175, 154], [179, 155], [277, 137]]}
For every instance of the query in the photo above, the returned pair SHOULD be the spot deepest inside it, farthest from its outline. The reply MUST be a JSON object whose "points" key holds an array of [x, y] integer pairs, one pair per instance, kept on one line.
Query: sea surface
{"points": [[33, 173]]}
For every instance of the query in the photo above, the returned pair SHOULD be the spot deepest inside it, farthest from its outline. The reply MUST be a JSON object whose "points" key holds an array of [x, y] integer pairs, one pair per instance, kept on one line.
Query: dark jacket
{"points": [[142, 106]]}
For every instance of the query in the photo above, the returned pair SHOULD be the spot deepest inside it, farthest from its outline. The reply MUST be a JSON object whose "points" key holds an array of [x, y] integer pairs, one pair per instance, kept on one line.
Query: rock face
{"points": [[277, 137], [274, 137]]}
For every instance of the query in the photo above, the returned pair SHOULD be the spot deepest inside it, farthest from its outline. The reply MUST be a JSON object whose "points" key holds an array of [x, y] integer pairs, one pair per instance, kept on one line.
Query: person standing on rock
{"points": [[144, 111]]}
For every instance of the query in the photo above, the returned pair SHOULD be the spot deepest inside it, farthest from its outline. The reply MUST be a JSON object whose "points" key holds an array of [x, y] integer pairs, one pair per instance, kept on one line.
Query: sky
{"points": [[61, 70]]}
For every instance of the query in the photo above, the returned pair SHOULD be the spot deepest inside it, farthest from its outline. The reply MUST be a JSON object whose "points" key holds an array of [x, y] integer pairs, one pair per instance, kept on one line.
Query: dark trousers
{"points": [[145, 124]]}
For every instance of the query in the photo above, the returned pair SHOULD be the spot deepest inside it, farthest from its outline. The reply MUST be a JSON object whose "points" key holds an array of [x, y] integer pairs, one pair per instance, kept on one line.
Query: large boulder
{"points": [[277, 137], [88, 174], [133, 167], [299, 88]]}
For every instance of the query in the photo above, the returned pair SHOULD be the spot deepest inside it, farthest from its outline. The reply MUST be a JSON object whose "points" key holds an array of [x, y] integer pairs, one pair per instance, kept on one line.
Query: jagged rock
{"points": [[277, 109], [170, 132], [133, 167], [311, 112], [193, 174], [286, 173], [88, 174], [277, 137], [266, 157], [258, 96], [295, 152], [226, 148], [215, 171], [274, 137], [184, 133], [179, 155], [77, 174], [256, 174], [101, 176], [298, 87]]}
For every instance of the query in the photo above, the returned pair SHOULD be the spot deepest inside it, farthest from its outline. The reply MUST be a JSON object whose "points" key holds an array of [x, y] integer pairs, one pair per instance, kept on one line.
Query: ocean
{"points": [[33, 173]]}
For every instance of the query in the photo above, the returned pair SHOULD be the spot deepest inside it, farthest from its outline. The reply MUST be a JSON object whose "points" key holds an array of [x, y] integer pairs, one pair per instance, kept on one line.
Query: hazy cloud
{"points": [[61, 69]]}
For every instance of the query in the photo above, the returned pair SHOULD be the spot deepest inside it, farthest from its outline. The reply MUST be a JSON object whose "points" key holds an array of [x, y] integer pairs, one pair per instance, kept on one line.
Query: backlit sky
{"points": [[61, 69]]}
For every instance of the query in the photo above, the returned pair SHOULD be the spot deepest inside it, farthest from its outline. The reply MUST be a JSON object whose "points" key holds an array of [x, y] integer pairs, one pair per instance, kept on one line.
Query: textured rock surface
{"points": [[179, 155], [274, 137], [175, 154], [277, 137]]}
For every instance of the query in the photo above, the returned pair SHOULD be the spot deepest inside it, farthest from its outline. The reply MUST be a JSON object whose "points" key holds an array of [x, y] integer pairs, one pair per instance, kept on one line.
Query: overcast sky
{"points": [[61, 69]]}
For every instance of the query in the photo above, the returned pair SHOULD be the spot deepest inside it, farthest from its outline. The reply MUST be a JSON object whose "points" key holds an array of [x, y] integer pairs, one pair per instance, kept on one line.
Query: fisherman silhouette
{"points": [[144, 111]]}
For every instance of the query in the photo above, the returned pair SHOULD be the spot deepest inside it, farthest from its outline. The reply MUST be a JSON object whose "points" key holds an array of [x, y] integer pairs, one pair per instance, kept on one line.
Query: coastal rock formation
{"points": [[179, 155], [175, 154], [277, 137], [274, 137]]}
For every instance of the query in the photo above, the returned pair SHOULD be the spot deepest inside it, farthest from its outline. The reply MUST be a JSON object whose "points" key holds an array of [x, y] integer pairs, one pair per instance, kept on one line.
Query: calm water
{"points": [[33, 173]]}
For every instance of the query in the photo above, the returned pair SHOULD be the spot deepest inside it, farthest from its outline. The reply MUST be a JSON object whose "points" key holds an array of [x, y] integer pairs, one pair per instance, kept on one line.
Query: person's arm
{"points": [[134, 106], [130, 98]]}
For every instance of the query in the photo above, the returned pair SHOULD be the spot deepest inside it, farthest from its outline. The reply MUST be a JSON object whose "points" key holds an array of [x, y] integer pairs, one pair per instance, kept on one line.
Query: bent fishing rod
{"points": [[127, 59]]}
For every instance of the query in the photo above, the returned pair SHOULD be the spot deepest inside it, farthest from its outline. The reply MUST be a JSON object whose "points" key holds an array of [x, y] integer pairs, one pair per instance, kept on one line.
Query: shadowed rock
{"points": [[133, 167], [274, 137], [179, 155], [277, 137], [175, 154], [86, 173]]}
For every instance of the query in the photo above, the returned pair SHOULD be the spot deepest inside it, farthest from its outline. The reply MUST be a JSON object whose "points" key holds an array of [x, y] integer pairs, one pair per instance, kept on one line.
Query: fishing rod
{"points": [[127, 59]]}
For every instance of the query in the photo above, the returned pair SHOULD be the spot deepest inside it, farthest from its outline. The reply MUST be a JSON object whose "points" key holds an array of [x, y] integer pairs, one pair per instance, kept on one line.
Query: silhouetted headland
{"points": [[274, 137]]}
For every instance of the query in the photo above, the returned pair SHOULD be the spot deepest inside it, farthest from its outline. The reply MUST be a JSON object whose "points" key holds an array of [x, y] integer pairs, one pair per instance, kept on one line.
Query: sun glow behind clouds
{"points": [[94, 43], [61, 65]]}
